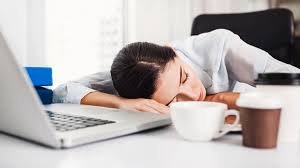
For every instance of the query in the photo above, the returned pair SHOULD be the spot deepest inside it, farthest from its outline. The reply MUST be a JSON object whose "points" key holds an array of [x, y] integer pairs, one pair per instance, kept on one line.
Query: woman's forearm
{"points": [[101, 99], [107, 100]]}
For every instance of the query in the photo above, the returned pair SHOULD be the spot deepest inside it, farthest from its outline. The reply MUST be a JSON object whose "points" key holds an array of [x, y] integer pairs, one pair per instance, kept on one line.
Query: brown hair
{"points": [[136, 68]]}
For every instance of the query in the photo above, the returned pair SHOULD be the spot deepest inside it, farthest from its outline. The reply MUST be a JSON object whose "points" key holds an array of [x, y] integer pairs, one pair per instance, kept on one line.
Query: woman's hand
{"points": [[143, 105]]}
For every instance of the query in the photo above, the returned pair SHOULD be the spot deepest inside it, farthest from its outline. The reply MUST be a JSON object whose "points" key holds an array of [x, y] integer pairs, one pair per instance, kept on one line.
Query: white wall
{"points": [[158, 21], [75, 37], [82, 36], [36, 37], [161, 21], [22, 24], [26, 25], [13, 22], [229, 6]]}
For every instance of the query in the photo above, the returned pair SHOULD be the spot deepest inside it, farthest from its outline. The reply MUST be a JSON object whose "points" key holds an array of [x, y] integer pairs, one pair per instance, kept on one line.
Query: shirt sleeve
{"points": [[70, 92], [244, 62], [74, 91], [274, 65]]}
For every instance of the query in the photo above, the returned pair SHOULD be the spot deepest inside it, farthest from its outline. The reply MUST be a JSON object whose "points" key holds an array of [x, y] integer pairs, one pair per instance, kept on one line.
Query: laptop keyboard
{"points": [[64, 122]]}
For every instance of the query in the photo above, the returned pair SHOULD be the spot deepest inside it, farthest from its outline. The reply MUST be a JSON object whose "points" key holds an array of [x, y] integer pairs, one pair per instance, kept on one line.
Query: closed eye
{"points": [[186, 77]]}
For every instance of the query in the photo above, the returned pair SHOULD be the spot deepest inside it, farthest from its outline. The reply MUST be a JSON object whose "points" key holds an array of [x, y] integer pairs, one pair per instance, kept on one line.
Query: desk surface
{"points": [[160, 148]]}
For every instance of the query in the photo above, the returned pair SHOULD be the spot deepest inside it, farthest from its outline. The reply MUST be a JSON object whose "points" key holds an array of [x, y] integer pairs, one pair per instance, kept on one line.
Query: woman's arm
{"points": [[107, 100], [244, 61], [97, 89]]}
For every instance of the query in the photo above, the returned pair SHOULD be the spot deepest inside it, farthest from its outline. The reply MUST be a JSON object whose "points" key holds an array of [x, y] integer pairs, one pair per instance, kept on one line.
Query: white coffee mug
{"points": [[202, 121]]}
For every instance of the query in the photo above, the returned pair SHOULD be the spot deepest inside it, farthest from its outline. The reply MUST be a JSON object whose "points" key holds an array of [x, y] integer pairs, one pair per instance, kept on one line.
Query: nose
{"points": [[187, 93]]}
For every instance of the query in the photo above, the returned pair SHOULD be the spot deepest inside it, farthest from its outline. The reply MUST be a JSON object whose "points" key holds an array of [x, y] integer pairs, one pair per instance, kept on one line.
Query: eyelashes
{"points": [[186, 78]]}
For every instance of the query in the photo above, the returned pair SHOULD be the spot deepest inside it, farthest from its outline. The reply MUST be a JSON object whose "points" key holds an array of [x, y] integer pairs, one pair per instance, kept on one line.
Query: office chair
{"points": [[271, 30]]}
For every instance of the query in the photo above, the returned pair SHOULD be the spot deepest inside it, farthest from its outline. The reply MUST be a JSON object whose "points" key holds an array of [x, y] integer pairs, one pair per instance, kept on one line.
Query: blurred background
{"points": [[80, 37]]}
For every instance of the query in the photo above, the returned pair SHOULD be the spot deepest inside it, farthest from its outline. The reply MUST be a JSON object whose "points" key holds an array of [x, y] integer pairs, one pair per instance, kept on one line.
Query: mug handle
{"points": [[228, 127]]}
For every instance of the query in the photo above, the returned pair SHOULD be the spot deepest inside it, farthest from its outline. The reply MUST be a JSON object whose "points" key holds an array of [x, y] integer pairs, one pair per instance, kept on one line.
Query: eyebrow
{"points": [[179, 85]]}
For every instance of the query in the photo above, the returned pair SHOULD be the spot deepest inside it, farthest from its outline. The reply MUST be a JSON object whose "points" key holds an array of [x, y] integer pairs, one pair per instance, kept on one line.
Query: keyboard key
{"points": [[64, 122]]}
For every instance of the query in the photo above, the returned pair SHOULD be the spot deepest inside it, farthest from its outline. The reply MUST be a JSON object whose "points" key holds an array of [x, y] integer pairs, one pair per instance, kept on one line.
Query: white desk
{"points": [[161, 148]]}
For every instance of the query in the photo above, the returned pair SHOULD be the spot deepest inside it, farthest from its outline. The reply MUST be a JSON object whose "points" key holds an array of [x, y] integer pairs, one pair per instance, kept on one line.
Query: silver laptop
{"points": [[59, 125]]}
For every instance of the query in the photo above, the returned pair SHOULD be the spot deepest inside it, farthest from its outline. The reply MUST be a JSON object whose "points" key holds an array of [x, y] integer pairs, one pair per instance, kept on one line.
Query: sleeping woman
{"points": [[214, 66]]}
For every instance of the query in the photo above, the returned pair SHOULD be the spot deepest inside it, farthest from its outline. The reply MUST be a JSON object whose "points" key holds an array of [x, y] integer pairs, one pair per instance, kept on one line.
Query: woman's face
{"points": [[178, 82]]}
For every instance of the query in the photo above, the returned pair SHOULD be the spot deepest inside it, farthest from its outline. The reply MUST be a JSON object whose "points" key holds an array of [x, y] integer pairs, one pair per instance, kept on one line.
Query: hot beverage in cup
{"points": [[202, 121], [260, 116]]}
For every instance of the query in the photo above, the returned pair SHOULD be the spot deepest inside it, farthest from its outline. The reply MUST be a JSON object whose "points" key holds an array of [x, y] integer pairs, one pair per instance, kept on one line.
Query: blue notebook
{"points": [[40, 76], [45, 95]]}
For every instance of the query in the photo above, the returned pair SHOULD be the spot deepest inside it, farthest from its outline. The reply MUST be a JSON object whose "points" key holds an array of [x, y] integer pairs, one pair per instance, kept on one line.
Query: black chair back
{"points": [[271, 30]]}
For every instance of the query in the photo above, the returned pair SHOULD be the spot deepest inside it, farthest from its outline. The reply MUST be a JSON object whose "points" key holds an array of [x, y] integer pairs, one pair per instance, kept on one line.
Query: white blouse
{"points": [[221, 59]]}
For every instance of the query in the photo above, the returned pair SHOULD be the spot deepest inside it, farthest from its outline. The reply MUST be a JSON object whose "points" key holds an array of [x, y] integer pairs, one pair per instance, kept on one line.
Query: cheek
{"points": [[196, 84], [194, 79], [164, 96], [192, 83]]}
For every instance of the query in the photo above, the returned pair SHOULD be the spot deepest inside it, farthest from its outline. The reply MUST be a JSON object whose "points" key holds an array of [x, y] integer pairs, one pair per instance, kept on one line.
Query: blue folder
{"points": [[40, 76]]}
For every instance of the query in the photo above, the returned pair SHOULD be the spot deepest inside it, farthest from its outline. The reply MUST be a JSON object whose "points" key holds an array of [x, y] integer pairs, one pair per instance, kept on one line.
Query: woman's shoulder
{"points": [[209, 39], [214, 37], [221, 32]]}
